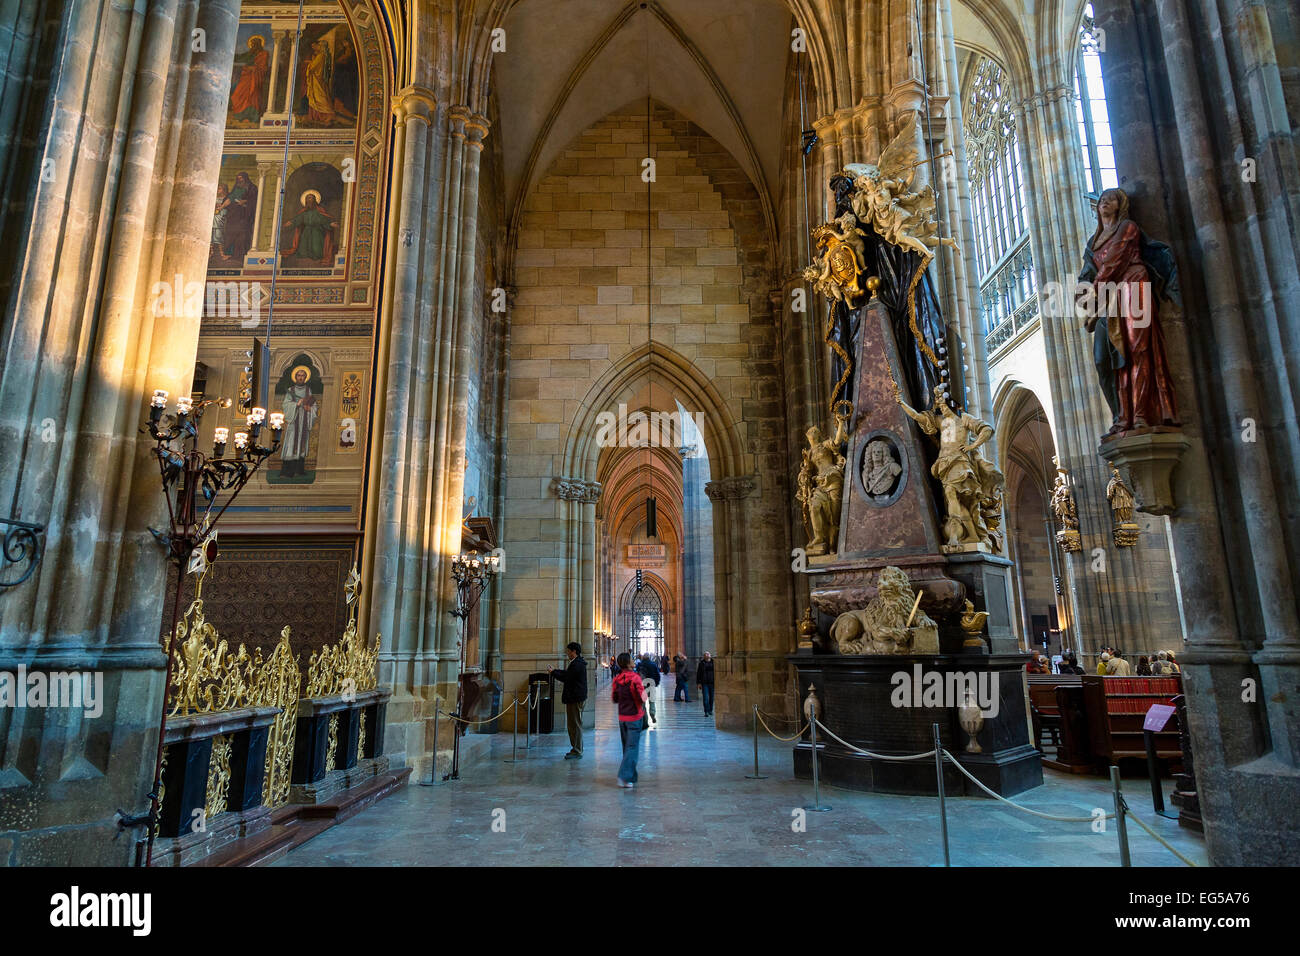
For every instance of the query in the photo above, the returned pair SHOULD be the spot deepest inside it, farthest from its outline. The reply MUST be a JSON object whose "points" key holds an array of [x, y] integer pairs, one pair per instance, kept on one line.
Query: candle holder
{"points": [[471, 574], [193, 485]]}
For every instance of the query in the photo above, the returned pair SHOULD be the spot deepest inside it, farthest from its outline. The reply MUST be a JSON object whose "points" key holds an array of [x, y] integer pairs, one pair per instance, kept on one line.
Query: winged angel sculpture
{"points": [[883, 197], [884, 227]]}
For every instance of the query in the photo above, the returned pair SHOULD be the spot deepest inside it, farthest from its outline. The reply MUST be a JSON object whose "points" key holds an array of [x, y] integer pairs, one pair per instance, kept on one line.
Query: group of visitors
{"points": [[1110, 663], [1162, 664]]}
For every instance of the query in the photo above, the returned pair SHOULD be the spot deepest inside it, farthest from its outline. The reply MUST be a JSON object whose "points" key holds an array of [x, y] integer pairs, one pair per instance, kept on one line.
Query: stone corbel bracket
{"points": [[576, 489], [1149, 460], [739, 486]]}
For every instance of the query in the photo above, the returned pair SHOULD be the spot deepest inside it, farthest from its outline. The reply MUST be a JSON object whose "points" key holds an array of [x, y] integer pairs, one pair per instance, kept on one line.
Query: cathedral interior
{"points": [[361, 357]]}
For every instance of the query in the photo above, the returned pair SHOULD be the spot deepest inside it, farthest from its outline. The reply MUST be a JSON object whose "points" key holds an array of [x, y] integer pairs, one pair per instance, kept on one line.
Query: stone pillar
{"points": [[132, 134], [1195, 90], [391, 435], [416, 522]]}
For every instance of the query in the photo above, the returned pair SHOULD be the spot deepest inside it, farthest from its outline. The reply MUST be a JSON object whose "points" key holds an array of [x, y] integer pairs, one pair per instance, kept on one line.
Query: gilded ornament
{"points": [[333, 748], [350, 665], [218, 790]]}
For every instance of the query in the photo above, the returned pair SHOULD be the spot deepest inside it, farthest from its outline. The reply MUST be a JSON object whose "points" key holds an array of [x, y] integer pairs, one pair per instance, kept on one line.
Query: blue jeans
{"points": [[683, 691], [706, 694], [629, 731]]}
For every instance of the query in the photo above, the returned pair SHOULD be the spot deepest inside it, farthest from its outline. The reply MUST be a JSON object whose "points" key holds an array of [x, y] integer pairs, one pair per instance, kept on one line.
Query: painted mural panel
{"points": [[305, 227]]}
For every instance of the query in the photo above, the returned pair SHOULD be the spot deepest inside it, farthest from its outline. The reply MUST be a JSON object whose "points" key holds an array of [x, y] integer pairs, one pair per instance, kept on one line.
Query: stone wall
{"points": [[579, 320]]}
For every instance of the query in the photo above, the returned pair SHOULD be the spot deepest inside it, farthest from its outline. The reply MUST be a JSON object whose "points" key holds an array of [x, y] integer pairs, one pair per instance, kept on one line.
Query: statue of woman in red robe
{"points": [[1125, 279]]}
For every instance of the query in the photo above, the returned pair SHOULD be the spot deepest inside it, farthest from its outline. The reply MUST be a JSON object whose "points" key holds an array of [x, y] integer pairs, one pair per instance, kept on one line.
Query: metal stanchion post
{"points": [[514, 734], [817, 797], [1119, 818], [433, 770], [1153, 771], [943, 800], [528, 719], [755, 775]]}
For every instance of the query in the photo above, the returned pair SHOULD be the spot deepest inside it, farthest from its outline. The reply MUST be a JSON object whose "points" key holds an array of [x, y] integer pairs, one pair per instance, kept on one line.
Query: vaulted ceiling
{"points": [[569, 63]]}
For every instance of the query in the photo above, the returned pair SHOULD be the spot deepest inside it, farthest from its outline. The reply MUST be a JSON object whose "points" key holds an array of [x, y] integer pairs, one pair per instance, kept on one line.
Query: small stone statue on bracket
{"points": [[1067, 515], [1126, 530]]}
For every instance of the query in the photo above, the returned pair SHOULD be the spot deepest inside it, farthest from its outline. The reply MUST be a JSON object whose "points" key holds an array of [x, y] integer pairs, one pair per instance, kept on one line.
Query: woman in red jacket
{"points": [[629, 694]]}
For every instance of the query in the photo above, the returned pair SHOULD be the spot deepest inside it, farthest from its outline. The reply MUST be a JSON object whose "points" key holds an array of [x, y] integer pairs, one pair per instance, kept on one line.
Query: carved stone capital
{"points": [[415, 102], [740, 486], [576, 489], [465, 123]]}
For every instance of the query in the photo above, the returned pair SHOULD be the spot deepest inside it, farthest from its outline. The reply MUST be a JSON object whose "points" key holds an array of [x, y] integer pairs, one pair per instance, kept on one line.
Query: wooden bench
{"points": [[1056, 709], [1116, 708]]}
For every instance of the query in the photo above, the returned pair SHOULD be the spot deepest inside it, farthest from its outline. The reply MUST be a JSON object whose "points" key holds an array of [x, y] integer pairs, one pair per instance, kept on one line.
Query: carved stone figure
{"points": [[882, 626], [1127, 280], [821, 486], [971, 485], [1067, 515], [1126, 531], [879, 469]]}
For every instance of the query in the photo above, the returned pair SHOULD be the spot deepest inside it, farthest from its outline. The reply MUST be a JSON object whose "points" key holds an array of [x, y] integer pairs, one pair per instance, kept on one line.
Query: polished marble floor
{"points": [[694, 807]]}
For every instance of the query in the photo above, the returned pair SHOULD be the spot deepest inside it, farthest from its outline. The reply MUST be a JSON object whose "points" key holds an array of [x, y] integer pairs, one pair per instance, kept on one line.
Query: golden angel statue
{"points": [[884, 199], [971, 484], [821, 485]]}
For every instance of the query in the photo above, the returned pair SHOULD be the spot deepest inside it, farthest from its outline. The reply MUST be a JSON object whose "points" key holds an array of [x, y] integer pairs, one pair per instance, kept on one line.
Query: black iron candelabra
{"points": [[471, 574], [193, 485]]}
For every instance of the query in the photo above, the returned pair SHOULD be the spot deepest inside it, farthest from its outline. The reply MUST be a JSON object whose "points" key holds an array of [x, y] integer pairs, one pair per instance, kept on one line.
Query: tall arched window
{"points": [[1094, 118], [1007, 284], [647, 617]]}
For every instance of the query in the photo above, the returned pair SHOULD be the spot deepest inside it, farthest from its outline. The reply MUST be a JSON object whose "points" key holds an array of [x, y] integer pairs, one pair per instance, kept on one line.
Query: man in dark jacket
{"points": [[574, 679], [704, 678], [682, 671]]}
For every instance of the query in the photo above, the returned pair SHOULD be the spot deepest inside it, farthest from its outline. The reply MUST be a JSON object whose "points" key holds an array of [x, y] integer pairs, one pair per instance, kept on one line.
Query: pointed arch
{"points": [[621, 381]]}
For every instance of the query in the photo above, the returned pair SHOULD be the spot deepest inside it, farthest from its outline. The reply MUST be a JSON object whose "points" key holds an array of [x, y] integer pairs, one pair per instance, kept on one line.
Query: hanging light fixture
{"points": [[651, 506]]}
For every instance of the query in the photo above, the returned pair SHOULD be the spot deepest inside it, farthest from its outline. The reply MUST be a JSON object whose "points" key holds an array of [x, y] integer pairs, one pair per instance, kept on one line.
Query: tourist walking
{"points": [[704, 679], [682, 671], [629, 695], [574, 679]]}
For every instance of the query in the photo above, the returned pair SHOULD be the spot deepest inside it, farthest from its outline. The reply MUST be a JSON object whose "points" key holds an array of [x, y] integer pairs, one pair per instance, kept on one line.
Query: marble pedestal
{"points": [[869, 701]]}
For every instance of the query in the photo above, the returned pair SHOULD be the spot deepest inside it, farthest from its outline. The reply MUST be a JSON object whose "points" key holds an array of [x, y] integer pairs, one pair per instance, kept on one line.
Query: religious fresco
{"points": [[235, 214], [298, 395], [327, 85], [318, 248], [309, 234], [250, 81]]}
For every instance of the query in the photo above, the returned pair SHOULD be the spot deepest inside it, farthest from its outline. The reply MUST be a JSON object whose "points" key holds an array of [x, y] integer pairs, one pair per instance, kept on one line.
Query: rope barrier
{"points": [[1156, 836], [973, 779], [476, 723], [896, 757], [787, 740], [1011, 803]]}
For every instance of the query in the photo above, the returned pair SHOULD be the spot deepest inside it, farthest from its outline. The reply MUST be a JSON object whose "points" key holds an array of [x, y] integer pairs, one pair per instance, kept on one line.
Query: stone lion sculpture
{"points": [[881, 626]]}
